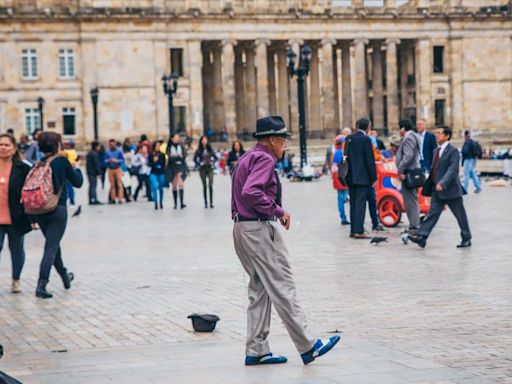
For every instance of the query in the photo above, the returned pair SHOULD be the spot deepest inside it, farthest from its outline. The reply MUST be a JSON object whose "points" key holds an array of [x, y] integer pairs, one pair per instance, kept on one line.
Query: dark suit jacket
{"points": [[19, 219], [361, 162], [429, 145], [447, 174]]}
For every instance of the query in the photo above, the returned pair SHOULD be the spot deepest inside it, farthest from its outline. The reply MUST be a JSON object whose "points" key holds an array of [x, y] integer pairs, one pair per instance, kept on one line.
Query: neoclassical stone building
{"points": [[448, 61]]}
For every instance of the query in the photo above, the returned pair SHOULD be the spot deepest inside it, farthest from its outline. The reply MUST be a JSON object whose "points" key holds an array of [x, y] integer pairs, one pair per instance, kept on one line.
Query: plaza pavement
{"points": [[406, 315]]}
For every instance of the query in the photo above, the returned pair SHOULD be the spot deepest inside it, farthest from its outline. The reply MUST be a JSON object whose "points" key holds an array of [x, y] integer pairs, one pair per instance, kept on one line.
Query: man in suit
{"points": [[445, 187], [361, 176], [407, 158], [427, 144]]}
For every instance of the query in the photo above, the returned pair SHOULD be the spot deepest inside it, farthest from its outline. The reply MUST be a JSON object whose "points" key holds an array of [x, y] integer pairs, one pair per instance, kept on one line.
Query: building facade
{"points": [[447, 61]]}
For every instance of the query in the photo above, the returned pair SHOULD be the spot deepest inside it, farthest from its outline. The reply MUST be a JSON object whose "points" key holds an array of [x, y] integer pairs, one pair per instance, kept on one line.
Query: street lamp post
{"points": [[94, 98], [301, 72], [170, 84], [40, 106]]}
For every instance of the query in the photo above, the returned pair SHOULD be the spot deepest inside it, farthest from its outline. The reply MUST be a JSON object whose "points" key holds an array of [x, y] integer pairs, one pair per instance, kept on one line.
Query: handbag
{"points": [[414, 178]]}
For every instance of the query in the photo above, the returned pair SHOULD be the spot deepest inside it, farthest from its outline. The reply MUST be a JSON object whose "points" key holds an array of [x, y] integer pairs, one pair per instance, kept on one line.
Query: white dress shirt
{"points": [[442, 148]]}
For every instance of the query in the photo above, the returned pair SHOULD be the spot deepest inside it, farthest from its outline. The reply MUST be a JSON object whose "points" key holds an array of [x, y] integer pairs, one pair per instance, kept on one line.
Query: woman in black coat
{"points": [[177, 168], [205, 159], [236, 152], [13, 221]]}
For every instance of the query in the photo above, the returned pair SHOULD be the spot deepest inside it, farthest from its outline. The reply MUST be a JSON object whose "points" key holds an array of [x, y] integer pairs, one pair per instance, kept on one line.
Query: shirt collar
{"points": [[261, 147], [443, 147], [361, 131]]}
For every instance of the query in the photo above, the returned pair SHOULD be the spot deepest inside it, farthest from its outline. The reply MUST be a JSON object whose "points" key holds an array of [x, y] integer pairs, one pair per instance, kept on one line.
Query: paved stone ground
{"points": [[438, 315]]}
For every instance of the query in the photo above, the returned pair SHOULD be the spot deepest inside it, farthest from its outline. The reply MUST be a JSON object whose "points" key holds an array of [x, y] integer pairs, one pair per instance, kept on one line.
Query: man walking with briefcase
{"points": [[409, 170]]}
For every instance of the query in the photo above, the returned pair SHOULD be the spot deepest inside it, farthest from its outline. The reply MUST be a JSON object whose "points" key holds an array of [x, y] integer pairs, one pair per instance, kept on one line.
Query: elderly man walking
{"points": [[256, 207], [408, 159]]}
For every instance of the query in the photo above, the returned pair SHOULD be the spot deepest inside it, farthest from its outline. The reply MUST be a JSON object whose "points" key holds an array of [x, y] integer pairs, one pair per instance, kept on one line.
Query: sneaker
{"points": [[345, 222], [378, 228], [16, 286], [478, 190], [269, 358], [320, 348]]}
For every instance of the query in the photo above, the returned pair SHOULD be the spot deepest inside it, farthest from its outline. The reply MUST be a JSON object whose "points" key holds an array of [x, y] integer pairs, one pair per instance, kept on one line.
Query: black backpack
{"points": [[478, 150]]}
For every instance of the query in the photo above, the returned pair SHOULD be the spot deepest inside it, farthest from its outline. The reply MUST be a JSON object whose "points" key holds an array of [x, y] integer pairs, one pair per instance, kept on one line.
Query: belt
{"points": [[237, 219]]}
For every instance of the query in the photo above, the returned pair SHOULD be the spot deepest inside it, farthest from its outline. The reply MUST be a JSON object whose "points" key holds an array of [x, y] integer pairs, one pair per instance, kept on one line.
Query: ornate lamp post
{"points": [[94, 98], [170, 84], [40, 106], [301, 72]]}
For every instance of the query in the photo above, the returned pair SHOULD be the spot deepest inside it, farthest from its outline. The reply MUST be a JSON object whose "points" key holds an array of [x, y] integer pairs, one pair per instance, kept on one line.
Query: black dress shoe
{"points": [[67, 278], [464, 244], [41, 291], [420, 240]]}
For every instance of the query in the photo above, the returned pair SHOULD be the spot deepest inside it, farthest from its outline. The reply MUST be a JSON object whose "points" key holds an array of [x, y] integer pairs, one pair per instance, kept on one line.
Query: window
{"points": [[440, 111], [373, 3], [438, 59], [177, 61], [32, 120], [66, 64], [69, 121], [180, 116], [341, 3], [29, 64]]}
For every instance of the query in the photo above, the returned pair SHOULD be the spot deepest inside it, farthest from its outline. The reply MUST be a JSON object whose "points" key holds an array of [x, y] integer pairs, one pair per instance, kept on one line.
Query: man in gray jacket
{"points": [[407, 158]]}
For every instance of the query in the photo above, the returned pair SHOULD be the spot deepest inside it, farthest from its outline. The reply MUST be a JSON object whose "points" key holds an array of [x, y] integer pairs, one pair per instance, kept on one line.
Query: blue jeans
{"points": [[157, 187], [342, 199], [71, 193], [469, 172]]}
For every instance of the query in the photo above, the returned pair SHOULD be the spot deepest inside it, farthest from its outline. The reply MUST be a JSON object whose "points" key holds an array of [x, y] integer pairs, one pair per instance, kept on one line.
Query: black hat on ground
{"points": [[203, 322], [271, 126]]}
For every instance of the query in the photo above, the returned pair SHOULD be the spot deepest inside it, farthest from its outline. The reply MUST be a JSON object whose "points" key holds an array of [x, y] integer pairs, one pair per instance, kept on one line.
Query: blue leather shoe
{"points": [[269, 358], [320, 348]]}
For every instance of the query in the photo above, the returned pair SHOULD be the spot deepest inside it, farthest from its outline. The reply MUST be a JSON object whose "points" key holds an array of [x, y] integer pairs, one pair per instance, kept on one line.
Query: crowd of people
{"points": [[425, 163]]}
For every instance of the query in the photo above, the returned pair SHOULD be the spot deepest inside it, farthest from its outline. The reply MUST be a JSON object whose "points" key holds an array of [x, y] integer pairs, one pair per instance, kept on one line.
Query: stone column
{"points": [[271, 70], [239, 90], [360, 81], [295, 45], [195, 60], [328, 102], [423, 86], [346, 86], [218, 100], [315, 117], [228, 86], [404, 72], [250, 90], [283, 104], [378, 92], [335, 90], [392, 84], [207, 88], [457, 91], [262, 76], [89, 80]]}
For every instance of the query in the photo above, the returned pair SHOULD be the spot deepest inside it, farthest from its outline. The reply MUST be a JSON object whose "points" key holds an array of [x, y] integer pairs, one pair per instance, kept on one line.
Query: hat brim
{"points": [[260, 135]]}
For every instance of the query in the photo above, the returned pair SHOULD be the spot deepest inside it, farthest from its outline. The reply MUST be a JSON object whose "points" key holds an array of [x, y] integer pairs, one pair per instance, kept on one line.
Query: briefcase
{"points": [[414, 178]]}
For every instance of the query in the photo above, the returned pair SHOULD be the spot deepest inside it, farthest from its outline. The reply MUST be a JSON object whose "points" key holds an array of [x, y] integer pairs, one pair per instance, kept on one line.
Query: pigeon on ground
{"points": [[377, 240], [77, 212]]}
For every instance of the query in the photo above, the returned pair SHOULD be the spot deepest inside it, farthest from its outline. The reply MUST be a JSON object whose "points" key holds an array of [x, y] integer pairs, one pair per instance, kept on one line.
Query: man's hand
{"points": [[439, 187], [35, 227], [402, 176], [285, 220]]}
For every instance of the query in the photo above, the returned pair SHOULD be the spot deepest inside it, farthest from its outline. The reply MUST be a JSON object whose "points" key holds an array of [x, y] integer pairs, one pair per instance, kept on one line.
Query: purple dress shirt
{"points": [[255, 185]]}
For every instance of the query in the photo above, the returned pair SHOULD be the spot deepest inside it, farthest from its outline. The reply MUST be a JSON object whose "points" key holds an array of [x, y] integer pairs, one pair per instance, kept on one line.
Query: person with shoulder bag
{"points": [[205, 159], [409, 170], [44, 197], [14, 223]]}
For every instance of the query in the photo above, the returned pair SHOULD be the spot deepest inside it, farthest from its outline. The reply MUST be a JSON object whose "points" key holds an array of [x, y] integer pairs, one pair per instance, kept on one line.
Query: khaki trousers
{"points": [[115, 179], [263, 254]]}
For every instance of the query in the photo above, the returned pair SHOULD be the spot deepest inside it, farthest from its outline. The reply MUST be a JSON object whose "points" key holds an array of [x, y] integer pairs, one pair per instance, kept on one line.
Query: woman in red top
{"points": [[13, 221], [339, 142]]}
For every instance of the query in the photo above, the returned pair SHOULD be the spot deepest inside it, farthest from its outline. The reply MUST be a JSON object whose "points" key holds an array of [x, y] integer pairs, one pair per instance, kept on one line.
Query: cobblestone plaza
{"points": [[406, 315]]}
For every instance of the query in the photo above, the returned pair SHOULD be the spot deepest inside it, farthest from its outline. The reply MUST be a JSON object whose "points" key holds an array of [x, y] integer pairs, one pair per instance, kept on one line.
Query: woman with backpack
{"points": [[14, 223], [205, 159], [53, 172]]}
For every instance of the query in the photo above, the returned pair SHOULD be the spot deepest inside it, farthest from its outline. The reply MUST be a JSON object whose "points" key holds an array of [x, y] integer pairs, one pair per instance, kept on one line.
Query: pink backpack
{"points": [[38, 196]]}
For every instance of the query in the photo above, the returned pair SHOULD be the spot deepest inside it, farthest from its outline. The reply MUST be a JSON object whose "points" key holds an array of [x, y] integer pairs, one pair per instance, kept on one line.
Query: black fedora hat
{"points": [[271, 126], [203, 322]]}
